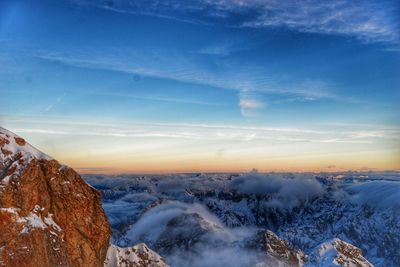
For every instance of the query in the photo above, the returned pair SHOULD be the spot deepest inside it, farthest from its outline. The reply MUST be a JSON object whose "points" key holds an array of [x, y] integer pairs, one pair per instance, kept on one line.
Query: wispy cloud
{"points": [[161, 99], [249, 81], [58, 100], [368, 21], [210, 132]]}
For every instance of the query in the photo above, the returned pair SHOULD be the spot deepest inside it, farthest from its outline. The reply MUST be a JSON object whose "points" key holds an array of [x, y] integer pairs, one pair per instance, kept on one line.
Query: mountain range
{"points": [[51, 216]]}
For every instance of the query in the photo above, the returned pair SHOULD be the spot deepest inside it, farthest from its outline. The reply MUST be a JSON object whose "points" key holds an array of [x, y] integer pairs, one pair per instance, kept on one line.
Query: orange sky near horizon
{"points": [[194, 148]]}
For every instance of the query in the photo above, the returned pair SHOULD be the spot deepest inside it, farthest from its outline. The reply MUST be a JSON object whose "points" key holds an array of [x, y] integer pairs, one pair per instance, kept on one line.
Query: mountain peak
{"points": [[48, 215], [339, 252], [15, 155], [11, 144]]}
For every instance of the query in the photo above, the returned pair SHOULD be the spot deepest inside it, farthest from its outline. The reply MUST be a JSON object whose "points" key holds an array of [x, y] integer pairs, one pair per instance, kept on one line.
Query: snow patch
{"points": [[16, 154], [139, 255]]}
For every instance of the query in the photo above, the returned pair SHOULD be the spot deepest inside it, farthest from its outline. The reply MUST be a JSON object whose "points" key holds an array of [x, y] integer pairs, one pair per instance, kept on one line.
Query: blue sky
{"points": [[257, 80]]}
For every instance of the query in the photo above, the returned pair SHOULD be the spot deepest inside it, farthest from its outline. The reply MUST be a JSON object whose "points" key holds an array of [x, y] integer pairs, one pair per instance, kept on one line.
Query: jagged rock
{"points": [[48, 215], [136, 256], [277, 250], [338, 252], [281, 250]]}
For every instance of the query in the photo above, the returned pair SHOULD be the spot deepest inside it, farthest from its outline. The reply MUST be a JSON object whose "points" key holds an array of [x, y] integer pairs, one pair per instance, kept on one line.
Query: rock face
{"points": [[281, 250], [48, 215], [338, 252], [136, 256]]}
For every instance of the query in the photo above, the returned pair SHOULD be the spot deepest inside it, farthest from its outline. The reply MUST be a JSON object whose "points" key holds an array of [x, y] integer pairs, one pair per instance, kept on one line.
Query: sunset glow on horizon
{"points": [[128, 87]]}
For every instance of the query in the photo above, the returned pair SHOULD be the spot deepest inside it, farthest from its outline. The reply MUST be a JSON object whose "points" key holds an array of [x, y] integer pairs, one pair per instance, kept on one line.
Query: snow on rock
{"points": [[338, 253], [15, 155], [35, 220], [281, 249], [136, 256], [12, 144], [360, 208], [49, 216]]}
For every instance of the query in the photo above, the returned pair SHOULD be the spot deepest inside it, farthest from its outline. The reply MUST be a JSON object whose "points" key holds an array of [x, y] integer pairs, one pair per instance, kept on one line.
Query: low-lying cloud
{"points": [[285, 192]]}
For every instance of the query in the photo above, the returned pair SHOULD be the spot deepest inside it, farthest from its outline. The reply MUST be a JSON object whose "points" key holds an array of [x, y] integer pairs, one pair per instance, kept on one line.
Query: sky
{"points": [[147, 86]]}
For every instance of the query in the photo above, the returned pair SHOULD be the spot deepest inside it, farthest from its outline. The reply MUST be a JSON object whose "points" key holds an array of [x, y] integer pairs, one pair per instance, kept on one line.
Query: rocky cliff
{"points": [[50, 217]]}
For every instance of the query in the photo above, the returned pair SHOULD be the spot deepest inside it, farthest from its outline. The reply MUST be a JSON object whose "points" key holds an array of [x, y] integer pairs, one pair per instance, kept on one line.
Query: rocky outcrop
{"points": [[136, 256], [282, 251], [48, 215], [338, 252]]}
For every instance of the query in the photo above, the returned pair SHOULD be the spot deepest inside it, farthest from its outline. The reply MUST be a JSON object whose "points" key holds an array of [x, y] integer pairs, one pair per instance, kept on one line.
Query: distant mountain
{"points": [[49, 216], [253, 219]]}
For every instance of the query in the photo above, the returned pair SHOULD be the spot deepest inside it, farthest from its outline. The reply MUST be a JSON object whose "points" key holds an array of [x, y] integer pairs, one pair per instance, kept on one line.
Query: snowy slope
{"points": [[306, 209], [15, 155], [338, 253], [136, 256]]}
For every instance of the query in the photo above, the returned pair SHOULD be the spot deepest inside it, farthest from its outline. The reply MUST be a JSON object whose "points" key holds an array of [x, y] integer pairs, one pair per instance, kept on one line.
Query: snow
{"points": [[359, 208], [139, 255], [27, 150], [34, 219], [329, 254], [31, 221], [8, 158], [10, 210], [50, 222]]}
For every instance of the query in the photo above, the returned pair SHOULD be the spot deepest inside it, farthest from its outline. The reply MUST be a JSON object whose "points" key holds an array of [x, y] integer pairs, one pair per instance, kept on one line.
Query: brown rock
{"points": [[281, 250], [3, 141], [48, 215], [342, 253], [20, 141]]}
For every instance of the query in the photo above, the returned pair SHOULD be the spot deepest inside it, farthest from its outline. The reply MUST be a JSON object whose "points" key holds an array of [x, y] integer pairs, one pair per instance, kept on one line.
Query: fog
{"points": [[217, 220], [284, 192]]}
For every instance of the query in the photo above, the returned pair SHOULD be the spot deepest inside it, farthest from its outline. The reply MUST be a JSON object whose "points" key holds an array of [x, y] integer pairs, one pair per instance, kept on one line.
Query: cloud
{"points": [[210, 243], [213, 132], [251, 81], [58, 100], [382, 194], [250, 107], [152, 224], [161, 99], [285, 193], [368, 21], [248, 80]]}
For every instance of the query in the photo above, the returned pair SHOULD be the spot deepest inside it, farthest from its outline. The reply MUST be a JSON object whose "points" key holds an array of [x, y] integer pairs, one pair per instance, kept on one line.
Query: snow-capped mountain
{"points": [[337, 252], [189, 217], [50, 217]]}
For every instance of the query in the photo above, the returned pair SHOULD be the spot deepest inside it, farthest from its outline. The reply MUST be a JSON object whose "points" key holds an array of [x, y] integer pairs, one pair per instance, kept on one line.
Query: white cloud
{"points": [[368, 21], [250, 107], [250, 82], [191, 131]]}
